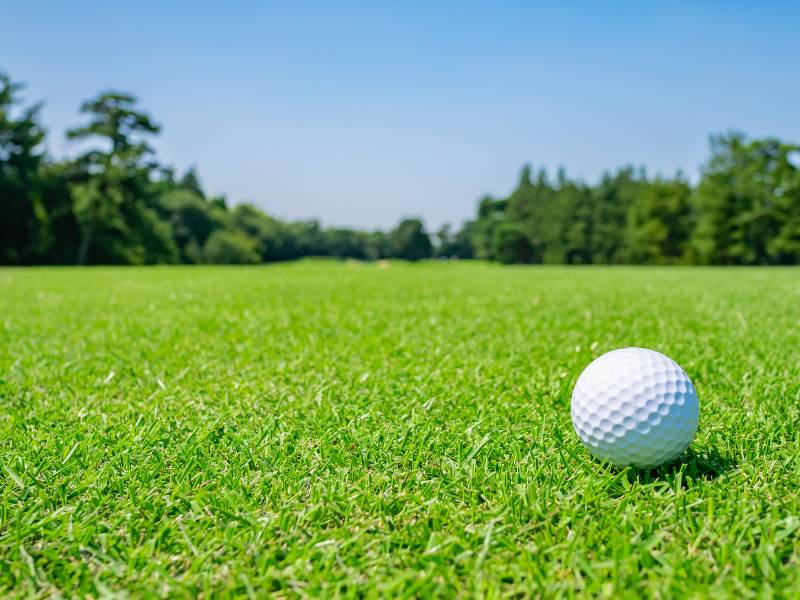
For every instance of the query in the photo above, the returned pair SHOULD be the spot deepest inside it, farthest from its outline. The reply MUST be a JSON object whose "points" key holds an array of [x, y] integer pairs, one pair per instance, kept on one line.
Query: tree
{"points": [[525, 214], [442, 240], [784, 247], [115, 204], [577, 222], [305, 238], [191, 182], [454, 245], [230, 247], [192, 221], [624, 218], [659, 223], [510, 244], [24, 226], [410, 241], [266, 232], [345, 243], [491, 213], [63, 228], [461, 246], [612, 200], [113, 201], [747, 203], [377, 245]]}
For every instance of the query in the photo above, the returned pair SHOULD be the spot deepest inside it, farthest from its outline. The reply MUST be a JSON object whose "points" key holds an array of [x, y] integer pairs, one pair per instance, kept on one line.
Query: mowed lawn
{"points": [[325, 428]]}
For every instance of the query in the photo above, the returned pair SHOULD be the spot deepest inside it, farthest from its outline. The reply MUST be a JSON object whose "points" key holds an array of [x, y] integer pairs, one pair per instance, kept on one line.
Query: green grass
{"points": [[321, 429]]}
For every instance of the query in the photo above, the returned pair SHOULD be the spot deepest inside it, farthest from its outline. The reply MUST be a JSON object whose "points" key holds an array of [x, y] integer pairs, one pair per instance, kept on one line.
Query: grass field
{"points": [[320, 429]]}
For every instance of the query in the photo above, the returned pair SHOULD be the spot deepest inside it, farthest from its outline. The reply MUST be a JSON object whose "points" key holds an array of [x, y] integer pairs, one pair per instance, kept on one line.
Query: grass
{"points": [[323, 429]]}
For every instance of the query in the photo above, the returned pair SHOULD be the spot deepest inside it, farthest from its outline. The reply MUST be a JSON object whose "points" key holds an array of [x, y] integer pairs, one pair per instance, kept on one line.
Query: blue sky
{"points": [[362, 113]]}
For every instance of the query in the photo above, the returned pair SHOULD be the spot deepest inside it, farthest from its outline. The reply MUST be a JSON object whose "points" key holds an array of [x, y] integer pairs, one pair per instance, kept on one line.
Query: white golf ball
{"points": [[635, 407]]}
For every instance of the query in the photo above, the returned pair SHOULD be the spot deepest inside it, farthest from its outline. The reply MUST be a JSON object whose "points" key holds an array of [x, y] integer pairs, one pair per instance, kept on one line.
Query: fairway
{"points": [[324, 428]]}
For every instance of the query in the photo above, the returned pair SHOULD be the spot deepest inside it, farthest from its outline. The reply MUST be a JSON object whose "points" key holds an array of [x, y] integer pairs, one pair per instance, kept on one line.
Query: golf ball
{"points": [[634, 407]]}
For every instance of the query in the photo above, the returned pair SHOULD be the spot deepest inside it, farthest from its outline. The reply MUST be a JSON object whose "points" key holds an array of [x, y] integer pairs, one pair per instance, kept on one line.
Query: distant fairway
{"points": [[324, 428]]}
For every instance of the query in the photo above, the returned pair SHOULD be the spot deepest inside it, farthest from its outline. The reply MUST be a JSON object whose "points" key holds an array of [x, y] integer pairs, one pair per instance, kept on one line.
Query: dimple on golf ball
{"points": [[635, 407]]}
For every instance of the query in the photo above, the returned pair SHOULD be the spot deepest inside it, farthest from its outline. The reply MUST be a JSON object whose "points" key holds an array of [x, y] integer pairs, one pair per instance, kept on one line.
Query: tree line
{"points": [[744, 210], [116, 204]]}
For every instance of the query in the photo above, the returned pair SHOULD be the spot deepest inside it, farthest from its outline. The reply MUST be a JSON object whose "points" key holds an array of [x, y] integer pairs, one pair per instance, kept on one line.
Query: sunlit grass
{"points": [[320, 428]]}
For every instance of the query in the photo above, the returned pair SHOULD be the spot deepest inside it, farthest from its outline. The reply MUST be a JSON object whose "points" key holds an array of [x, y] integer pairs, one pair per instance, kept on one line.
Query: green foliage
{"points": [[745, 210], [748, 203], [510, 244], [260, 228], [24, 226], [491, 212], [659, 223], [63, 229], [343, 242], [576, 218], [316, 430], [613, 198], [192, 220], [530, 209], [377, 245], [230, 247], [113, 117], [191, 182], [451, 244], [410, 241], [116, 204]]}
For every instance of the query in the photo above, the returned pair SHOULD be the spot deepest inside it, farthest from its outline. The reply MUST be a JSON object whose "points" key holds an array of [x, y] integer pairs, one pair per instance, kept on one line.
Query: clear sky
{"points": [[362, 113]]}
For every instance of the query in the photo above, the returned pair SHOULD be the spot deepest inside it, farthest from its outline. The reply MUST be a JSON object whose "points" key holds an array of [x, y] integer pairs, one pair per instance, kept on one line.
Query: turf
{"points": [[324, 429]]}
